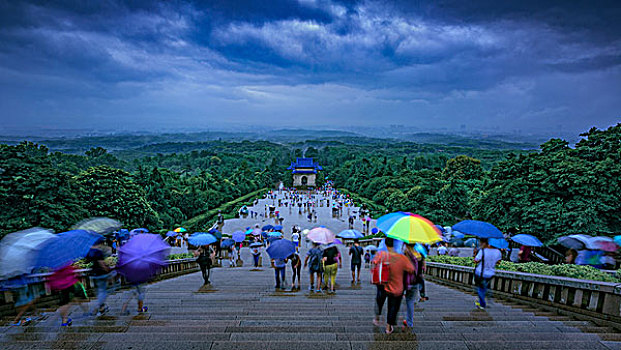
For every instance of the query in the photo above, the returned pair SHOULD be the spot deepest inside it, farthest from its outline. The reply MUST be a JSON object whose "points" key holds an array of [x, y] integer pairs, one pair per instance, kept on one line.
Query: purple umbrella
{"points": [[142, 257], [239, 236]]}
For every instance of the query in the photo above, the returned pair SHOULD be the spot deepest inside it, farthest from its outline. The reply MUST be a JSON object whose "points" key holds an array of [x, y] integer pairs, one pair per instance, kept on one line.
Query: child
{"points": [[367, 259]]}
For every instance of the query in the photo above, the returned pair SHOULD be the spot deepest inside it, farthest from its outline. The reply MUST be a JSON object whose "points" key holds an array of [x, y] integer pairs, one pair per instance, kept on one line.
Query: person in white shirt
{"points": [[442, 250], [487, 258], [295, 237]]}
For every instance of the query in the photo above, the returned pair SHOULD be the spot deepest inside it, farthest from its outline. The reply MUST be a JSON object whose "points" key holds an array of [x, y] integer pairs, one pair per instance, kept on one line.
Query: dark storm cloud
{"points": [[504, 64]]}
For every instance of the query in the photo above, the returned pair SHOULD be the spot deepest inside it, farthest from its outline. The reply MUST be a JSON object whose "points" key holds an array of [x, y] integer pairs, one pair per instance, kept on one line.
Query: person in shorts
{"points": [[356, 252], [314, 262]]}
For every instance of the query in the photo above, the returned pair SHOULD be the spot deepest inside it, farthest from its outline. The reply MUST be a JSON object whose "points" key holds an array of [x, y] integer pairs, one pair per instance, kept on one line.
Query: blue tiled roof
{"points": [[305, 163], [305, 172]]}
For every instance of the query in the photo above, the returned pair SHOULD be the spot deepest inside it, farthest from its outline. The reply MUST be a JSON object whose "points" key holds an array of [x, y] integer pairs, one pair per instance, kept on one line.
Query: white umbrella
{"points": [[18, 251], [577, 242], [321, 235]]}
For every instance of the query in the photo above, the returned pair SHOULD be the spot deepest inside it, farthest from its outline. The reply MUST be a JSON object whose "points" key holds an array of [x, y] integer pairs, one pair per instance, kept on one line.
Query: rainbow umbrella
{"points": [[408, 227], [180, 230]]}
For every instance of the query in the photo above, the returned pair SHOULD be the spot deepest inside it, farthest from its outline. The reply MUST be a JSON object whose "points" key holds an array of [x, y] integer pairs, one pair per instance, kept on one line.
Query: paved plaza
{"points": [[241, 310]]}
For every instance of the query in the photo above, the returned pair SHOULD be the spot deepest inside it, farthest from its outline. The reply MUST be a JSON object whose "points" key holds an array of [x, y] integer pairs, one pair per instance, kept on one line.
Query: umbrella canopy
{"points": [[337, 241], [274, 234], [350, 234], [321, 235], [617, 240], [227, 243], [371, 248], [457, 235], [137, 231], [18, 251], [238, 236], [398, 246], [577, 242], [215, 233], [374, 230], [281, 249], [604, 243], [470, 242], [180, 230], [277, 228], [103, 226], [442, 229], [477, 228], [499, 243], [142, 257], [202, 238], [305, 232], [408, 227], [256, 232], [527, 240], [267, 227], [420, 249], [273, 239], [64, 248], [172, 234], [256, 245], [122, 234]]}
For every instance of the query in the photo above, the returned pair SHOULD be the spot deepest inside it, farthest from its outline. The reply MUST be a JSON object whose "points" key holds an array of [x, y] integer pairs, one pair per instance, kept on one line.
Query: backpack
{"points": [[380, 272], [315, 260]]}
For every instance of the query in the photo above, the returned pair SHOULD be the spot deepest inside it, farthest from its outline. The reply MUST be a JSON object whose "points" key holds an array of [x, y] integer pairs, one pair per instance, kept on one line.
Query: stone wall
{"points": [[40, 283], [591, 299]]}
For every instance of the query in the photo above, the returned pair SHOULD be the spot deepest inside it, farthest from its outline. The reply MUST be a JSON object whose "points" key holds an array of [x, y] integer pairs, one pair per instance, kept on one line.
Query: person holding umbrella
{"points": [[279, 251], [487, 258], [205, 255], [100, 272]]}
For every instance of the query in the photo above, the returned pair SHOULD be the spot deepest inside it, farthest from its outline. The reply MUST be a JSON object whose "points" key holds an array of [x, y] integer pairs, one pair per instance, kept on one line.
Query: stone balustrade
{"points": [[601, 300], [40, 283]]}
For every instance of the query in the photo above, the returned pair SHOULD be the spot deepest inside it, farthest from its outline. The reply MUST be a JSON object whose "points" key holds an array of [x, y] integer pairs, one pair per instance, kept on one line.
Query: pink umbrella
{"points": [[321, 235], [604, 243]]}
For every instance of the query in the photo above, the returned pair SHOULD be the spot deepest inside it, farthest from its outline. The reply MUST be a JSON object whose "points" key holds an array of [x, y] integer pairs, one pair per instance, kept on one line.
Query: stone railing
{"points": [[39, 283], [593, 299]]}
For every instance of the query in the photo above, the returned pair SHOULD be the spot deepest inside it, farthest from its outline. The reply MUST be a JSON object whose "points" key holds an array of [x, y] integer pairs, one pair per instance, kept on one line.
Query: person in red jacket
{"points": [[393, 289]]}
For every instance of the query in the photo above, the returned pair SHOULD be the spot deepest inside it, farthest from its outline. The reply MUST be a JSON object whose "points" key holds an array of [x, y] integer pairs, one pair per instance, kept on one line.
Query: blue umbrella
{"points": [[267, 227], [277, 228], [420, 249], [350, 234], [227, 243], [374, 230], [440, 228], [274, 234], [471, 242], [238, 236], [66, 247], [142, 257], [281, 249], [138, 231], [479, 229], [202, 238], [457, 235], [499, 243], [398, 246], [273, 239], [215, 233], [171, 233], [527, 240]]}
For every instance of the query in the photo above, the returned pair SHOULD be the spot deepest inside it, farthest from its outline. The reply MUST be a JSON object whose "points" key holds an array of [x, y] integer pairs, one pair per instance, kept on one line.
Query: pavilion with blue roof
{"points": [[304, 172]]}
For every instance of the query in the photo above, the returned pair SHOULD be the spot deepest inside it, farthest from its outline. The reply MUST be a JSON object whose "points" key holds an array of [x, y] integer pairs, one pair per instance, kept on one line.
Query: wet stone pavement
{"points": [[241, 310]]}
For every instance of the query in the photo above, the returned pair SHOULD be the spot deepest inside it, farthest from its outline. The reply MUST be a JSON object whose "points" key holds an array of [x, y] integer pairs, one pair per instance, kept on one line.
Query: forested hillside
{"points": [[556, 190]]}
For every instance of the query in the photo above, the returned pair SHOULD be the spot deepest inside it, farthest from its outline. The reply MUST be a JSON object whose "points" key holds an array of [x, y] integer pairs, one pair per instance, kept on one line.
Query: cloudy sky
{"points": [[142, 65]]}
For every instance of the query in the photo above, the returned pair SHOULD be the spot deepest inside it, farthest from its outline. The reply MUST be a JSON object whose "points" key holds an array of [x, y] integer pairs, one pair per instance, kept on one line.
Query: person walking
{"points": [[205, 258], [487, 258], [256, 254], [279, 266], [412, 285], [313, 261], [295, 238], [356, 252], [296, 266], [100, 272], [392, 290], [331, 263]]}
